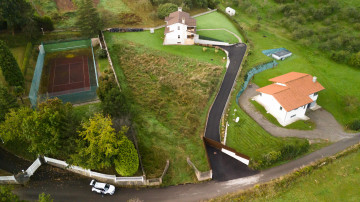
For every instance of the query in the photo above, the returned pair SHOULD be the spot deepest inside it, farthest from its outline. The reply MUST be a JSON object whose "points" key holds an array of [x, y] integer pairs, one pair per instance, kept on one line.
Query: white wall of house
{"points": [[230, 11], [273, 107], [177, 34]]}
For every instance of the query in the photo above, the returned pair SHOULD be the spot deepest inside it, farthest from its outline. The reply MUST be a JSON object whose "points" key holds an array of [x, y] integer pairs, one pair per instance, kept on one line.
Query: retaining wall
{"points": [[201, 176]]}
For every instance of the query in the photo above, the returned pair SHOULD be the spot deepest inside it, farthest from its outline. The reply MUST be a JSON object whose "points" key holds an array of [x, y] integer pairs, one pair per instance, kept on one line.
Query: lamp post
{"points": [[42, 29]]}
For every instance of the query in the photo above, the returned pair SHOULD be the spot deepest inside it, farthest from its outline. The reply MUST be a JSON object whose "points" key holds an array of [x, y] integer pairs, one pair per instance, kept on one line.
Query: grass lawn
{"points": [[339, 80], [155, 41], [299, 125], [19, 53], [220, 35], [216, 20], [336, 181]]}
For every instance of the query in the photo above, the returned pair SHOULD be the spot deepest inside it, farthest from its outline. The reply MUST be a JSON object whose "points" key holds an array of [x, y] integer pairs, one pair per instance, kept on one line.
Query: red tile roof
{"points": [[296, 92]]}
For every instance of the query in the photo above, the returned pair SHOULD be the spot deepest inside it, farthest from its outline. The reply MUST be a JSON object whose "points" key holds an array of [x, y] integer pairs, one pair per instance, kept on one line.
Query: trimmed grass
{"points": [[220, 35], [339, 80], [251, 139], [169, 97], [155, 41], [336, 181], [216, 20], [299, 125]]}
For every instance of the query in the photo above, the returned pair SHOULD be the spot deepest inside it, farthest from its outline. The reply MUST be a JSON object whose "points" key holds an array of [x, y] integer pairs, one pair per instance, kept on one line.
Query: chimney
{"points": [[314, 79], [180, 9], [183, 20]]}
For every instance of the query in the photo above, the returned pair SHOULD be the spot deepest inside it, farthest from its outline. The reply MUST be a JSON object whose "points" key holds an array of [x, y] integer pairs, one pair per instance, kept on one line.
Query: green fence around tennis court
{"points": [[74, 97]]}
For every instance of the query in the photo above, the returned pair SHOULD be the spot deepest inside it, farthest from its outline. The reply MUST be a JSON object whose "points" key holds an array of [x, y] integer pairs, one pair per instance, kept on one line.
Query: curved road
{"points": [[79, 190]]}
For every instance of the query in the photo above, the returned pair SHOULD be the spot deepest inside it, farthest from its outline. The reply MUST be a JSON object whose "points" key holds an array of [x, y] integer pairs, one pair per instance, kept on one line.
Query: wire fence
{"points": [[251, 73], [74, 96]]}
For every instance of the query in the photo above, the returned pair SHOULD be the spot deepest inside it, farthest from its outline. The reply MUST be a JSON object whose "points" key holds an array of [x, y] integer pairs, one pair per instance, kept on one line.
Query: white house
{"points": [[288, 98], [281, 55], [180, 29], [230, 11]]}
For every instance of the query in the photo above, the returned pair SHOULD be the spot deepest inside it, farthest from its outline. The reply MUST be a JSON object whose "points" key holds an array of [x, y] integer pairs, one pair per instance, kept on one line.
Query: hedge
{"points": [[27, 56]]}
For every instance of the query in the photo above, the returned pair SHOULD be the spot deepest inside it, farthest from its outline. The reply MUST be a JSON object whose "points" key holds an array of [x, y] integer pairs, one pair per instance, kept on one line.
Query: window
{"points": [[178, 36], [178, 27], [280, 107], [304, 106], [260, 94], [293, 116], [315, 94]]}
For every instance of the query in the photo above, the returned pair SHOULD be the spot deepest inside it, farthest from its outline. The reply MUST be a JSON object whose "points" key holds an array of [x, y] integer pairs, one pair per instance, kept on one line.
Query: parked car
{"points": [[102, 188]]}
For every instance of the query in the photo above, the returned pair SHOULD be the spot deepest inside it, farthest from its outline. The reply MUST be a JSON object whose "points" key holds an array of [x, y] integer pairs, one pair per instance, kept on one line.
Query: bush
{"points": [[354, 125], [10, 68], [165, 9], [44, 22], [127, 162], [113, 102], [101, 53]]}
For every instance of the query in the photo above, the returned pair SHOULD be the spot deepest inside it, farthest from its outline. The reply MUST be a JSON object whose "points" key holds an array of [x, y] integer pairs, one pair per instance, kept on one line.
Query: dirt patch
{"points": [[65, 5]]}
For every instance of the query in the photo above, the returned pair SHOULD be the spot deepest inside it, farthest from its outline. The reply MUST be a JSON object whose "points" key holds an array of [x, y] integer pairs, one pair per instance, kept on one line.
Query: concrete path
{"points": [[327, 127], [240, 41]]}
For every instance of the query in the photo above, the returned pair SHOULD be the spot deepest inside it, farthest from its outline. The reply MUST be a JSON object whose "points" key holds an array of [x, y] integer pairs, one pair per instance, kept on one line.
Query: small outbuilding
{"points": [[230, 11], [281, 55]]}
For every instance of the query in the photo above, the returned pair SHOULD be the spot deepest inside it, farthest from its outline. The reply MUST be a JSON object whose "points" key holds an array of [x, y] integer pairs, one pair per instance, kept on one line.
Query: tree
{"points": [[165, 9], [6, 195], [15, 12], [50, 130], [10, 67], [19, 92], [113, 101], [88, 19], [101, 146], [7, 102]]}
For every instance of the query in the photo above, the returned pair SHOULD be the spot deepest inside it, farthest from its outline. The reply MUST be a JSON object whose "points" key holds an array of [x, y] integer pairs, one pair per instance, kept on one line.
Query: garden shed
{"points": [[230, 11]]}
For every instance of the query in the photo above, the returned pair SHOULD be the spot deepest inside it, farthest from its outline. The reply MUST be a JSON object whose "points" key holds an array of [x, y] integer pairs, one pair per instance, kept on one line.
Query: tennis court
{"points": [[69, 75], [66, 70]]}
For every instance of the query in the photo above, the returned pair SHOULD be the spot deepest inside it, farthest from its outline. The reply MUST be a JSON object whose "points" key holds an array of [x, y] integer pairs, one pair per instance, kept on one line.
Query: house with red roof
{"points": [[290, 95], [180, 28]]}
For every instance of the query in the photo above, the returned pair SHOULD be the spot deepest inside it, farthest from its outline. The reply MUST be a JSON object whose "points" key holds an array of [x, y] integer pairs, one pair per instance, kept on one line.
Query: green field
{"points": [[220, 35], [339, 80], [336, 181], [299, 125], [216, 20]]}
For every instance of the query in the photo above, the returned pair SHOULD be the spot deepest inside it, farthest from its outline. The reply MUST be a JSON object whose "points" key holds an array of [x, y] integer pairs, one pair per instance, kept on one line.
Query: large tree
{"points": [[15, 12], [88, 19], [49, 130], [7, 102], [102, 147], [9, 66]]}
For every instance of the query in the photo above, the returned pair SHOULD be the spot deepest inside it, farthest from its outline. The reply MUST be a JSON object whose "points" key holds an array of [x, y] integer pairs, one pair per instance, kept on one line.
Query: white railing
{"points": [[133, 179], [31, 170], [8, 180]]}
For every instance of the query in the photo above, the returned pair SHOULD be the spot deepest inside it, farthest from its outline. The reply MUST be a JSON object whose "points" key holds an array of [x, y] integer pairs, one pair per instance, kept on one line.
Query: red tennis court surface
{"points": [[69, 75]]}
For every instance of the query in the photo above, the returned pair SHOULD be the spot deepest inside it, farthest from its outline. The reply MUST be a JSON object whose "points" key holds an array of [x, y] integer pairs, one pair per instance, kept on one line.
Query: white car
{"points": [[102, 188]]}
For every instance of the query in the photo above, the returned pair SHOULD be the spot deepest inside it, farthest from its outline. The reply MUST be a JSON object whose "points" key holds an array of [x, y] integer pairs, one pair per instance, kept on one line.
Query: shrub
{"points": [[165, 9], [354, 125], [101, 53], [127, 162], [204, 49], [355, 59], [7, 102], [44, 22]]}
